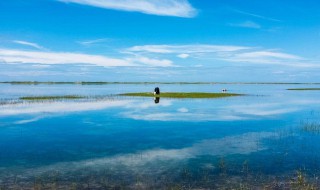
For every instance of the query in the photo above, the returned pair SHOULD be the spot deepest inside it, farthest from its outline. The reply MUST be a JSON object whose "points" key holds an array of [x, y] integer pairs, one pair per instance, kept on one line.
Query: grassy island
{"points": [[182, 94], [34, 98]]}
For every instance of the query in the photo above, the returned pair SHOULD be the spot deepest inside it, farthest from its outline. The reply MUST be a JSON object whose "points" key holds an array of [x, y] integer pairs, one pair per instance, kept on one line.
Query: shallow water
{"points": [[268, 138]]}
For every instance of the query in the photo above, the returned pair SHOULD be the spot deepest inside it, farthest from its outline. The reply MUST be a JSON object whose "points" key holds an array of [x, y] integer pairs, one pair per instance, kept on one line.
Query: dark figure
{"points": [[156, 91], [156, 100]]}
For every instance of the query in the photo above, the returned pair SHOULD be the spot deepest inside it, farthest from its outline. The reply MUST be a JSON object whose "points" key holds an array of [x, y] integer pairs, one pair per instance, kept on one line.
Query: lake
{"points": [[266, 139]]}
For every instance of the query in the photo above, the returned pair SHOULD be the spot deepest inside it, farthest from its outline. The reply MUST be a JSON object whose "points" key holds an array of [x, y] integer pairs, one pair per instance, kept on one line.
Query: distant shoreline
{"points": [[303, 89], [181, 83]]}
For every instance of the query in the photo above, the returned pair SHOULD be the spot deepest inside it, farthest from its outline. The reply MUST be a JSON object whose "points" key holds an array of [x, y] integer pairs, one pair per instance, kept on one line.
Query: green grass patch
{"points": [[303, 89], [183, 94], [34, 98]]}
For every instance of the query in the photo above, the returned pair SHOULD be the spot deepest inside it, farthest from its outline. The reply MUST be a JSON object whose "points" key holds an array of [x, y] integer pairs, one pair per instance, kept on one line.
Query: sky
{"points": [[160, 40]]}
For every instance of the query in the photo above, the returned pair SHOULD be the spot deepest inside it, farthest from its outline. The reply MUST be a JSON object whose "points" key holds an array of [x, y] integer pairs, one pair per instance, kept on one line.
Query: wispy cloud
{"points": [[50, 58], [162, 55], [20, 56], [177, 8], [256, 15], [180, 51], [230, 53], [30, 44], [246, 24], [270, 54], [92, 42], [267, 57], [185, 49], [153, 62]]}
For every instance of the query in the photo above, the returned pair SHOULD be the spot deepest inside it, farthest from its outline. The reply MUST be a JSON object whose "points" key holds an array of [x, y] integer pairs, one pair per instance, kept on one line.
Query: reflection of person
{"points": [[156, 91], [156, 100]]}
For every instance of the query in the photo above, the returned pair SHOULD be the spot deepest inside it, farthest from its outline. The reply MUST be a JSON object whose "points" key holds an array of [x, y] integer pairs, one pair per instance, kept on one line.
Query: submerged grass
{"points": [[184, 178], [311, 127], [182, 94], [303, 89], [35, 98]]}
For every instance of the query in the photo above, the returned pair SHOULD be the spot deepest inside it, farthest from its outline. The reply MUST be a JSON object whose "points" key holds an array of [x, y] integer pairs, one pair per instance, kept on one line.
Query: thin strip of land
{"points": [[34, 98], [303, 89], [183, 94]]}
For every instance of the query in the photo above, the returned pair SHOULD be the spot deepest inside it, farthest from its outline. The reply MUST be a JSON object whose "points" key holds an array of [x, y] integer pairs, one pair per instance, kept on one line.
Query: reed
{"points": [[35, 98]]}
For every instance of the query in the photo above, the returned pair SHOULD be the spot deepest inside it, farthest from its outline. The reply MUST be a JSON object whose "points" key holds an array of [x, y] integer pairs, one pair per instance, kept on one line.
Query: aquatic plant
{"points": [[300, 182], [311, 127], [168, 180], [222, 166], [245, 167], [34, 98]]}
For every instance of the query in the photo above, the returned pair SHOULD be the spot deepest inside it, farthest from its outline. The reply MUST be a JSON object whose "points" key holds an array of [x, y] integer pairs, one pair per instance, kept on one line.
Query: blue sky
{"points": [[160, 40]]}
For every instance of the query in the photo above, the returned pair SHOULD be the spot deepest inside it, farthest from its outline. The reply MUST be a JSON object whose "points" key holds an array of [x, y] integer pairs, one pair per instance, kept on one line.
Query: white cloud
{"points": [[246, 24], [185, 49], [34, 45], [269, 54], [153, 62], [229, 53], [51, 58], [183, 55], [269, 57], [20, 56], [151, 49], [91, 42], [161, 56], [178, 8]]}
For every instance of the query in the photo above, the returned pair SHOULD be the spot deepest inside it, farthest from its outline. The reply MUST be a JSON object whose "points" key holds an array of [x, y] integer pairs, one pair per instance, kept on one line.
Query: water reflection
{"points": [[156, 100], [227, 109], [238, 144], [145, 144]]}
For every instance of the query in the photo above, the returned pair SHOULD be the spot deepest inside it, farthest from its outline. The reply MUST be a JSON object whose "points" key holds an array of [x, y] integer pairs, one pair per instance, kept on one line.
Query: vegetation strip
{"points": [[183, 94], [51, 97], [303, 89]]}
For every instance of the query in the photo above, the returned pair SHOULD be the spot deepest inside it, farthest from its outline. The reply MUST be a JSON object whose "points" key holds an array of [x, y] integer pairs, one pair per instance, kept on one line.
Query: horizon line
{"points": [[153, 82]]}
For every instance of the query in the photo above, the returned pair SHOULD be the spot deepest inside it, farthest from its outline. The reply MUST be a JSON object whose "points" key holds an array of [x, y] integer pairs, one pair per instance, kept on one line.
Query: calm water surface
{"points": [[269, 138]]}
